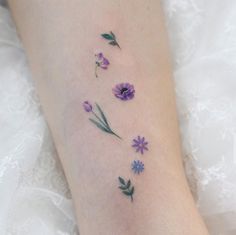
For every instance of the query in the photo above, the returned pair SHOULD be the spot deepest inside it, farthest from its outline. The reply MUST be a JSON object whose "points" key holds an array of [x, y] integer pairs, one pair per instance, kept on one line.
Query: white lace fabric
{"points": [[34, 195]]}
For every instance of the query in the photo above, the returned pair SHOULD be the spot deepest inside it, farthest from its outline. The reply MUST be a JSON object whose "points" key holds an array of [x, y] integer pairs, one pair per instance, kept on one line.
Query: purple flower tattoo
{"points": [[137, 166], [101, 62], [140, 144], [124, 91], [87, 106], [99, 119]]}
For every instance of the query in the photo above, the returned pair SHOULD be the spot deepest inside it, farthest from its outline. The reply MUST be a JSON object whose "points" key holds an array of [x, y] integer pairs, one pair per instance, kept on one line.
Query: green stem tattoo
{"points": [[96, 69], [100, 119], [126, 188]]}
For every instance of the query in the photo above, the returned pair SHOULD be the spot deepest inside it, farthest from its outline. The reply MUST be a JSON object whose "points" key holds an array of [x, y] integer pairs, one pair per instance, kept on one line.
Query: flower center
{"points": [[123, 90]]}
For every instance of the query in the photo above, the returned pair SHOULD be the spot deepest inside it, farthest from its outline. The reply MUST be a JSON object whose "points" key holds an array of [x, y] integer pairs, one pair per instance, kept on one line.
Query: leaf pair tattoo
{"points": [[111, 38]]}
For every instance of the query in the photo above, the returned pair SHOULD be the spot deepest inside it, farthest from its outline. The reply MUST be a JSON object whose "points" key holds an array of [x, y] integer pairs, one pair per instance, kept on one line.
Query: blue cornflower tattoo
{"points": [[137, 166], [140, 144]]}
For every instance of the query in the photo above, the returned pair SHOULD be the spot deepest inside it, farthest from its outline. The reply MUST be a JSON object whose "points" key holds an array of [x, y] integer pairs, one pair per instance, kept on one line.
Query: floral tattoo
{"points": [[137, 166], [111, 38], [99, 120], [126, 188], [101, 62], [124, 91], [140, 144]]}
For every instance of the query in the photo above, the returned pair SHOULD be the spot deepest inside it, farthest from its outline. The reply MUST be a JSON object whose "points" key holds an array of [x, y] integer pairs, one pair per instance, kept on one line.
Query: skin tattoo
{"points": [[101, 62], [124, 91], [100, 119], [126, 188], [111, 38], [137, 166], [140, 144]]}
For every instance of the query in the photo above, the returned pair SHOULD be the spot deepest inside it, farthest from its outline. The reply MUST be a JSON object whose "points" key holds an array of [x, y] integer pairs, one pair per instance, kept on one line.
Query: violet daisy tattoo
{"points": [[126, 188], [140, 144], [124, 91], [99, 119], [101, 62], [111, 37], [137, 166]]}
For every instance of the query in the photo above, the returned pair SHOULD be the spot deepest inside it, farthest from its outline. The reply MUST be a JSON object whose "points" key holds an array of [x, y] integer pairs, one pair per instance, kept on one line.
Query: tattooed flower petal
{"points": [[104, 63], [99, 56], [124, 91], [101, 61], [87, 106], [137, 166], [140, 144]]}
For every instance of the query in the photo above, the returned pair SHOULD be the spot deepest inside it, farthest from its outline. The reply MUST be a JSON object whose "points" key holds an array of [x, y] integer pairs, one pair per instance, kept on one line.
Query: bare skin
{"points": [[61, 38]]}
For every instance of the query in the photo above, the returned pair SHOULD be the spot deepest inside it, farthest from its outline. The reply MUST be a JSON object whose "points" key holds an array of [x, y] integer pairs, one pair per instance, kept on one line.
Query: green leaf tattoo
{"points": [[98, 125], [107, 36], [112, 38], [126, 188], [100, 119], [102, 114]]}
